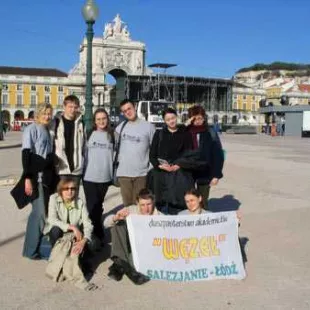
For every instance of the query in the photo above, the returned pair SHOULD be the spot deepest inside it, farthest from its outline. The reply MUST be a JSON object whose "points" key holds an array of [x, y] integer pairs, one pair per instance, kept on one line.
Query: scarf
{"points": [[195, 130], [69, 205]]}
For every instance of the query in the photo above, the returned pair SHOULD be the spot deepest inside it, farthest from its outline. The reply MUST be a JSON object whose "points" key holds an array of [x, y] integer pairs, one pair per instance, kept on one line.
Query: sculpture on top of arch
{"points": [[118, 29]]}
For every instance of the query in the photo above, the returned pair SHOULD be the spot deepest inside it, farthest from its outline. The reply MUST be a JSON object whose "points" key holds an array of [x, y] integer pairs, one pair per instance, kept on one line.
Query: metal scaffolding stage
{"points": [[214, 94]]}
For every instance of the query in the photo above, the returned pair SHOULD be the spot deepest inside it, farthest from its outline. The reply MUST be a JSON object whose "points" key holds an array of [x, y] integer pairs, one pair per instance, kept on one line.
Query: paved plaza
{"points": [[267, 178]]}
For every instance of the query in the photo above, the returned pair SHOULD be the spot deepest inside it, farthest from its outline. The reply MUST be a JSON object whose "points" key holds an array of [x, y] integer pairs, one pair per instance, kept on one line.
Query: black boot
{"points": [[116, 272], [136, 277], [133, 275]]}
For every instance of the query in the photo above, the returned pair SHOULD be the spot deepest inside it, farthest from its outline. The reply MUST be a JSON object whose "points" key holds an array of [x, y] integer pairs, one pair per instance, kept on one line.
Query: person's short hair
{"points": [[169, 111], [62, 184], [41, 108], [196, 110], [145, 194], [125, 101], [72, 98]]}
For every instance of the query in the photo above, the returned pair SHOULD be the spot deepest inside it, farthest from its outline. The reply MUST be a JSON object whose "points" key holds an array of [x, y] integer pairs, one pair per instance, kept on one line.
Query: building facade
{"points": [[24, 88]]}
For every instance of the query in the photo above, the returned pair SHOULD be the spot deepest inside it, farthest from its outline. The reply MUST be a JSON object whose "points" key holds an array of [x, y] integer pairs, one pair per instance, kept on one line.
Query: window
{"points": [[33, 100], [47, 89], [60, 100], [47, 99], [244, 106], [235, 96], [244, 97], [19, 87], [33, 87], [253, 97], [5, 99], [19, 99], [60, 88], [5, 87], [253, 107]]}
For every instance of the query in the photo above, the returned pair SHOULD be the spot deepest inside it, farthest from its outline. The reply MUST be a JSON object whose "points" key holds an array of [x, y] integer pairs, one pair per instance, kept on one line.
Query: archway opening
{"points": [[19, 115], [224, 120], [114, 93], [234, 119], [31, 115], [6, 116]]}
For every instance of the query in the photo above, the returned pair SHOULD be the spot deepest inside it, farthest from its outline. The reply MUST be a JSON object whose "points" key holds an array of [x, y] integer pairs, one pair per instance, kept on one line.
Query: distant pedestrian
{"points": [[37, 160], [5, 127], [135, 136], [98, 168], [70, 137]]}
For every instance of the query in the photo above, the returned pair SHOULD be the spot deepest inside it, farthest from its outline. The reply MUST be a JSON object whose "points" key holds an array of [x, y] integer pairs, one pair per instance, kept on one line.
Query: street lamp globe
{"points": [[90, 11]]}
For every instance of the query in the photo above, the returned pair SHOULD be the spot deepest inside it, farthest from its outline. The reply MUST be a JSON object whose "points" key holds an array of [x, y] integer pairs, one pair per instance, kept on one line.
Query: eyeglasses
{"points": [[69, 189]]}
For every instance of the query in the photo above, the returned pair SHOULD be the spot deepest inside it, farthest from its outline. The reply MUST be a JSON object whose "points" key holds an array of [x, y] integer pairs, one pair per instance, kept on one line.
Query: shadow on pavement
{"points": [[229, 203], [11, 239], [226, 203], [97, 259]]}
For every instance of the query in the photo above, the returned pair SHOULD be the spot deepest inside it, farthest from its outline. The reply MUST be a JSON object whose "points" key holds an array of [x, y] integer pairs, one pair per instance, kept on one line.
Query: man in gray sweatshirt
{"points": [[136, 138]]}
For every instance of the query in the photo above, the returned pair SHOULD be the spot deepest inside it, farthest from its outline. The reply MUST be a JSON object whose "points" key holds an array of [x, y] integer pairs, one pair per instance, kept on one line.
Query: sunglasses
{"points": [[69, 189]]}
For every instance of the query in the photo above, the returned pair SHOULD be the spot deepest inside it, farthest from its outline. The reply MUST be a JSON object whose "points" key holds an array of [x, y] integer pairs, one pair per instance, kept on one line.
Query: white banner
{"points": [[186, 248]]}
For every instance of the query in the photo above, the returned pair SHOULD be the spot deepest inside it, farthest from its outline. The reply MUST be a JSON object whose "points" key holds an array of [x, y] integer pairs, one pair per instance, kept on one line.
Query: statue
{"points": [[117, 24], [125, 32], [139, 65], [108, 31]]}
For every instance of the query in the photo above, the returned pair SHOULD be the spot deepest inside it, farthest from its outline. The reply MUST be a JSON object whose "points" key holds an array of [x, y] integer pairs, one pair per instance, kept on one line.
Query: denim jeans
{"points": [[35, 225]]}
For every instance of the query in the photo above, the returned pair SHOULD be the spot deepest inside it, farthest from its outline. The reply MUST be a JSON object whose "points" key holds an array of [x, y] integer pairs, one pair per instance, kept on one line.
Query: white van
{"points": [[151, 111]]}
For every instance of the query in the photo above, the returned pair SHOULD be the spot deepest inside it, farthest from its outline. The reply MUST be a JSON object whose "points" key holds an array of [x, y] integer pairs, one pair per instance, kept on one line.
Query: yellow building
{"points": [[247, 99], [24, 88]]}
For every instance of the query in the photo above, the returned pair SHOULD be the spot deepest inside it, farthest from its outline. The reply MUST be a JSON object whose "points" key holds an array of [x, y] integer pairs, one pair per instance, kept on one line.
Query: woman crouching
{"points": [[68, 213]]}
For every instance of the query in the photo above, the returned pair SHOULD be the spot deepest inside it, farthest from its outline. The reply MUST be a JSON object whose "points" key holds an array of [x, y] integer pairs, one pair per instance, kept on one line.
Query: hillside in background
{"points": [[276, 67]]}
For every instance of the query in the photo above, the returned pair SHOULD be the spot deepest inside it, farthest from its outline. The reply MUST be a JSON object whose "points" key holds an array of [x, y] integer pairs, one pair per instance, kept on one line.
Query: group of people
{"points": [[167, 171]]}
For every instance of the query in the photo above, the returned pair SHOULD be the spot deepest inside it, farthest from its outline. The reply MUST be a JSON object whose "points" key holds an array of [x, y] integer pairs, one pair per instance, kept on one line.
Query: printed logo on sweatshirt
{"points": [[130, 138], [101, 145]]}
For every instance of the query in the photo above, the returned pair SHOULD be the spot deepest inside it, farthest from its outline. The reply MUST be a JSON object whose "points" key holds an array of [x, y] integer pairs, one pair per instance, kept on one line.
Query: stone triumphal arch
{"points": [[114, 53]]}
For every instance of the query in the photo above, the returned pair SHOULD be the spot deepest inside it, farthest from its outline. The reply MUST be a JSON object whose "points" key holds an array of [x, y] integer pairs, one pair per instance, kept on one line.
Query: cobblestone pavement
{"points": [[267, 177]]}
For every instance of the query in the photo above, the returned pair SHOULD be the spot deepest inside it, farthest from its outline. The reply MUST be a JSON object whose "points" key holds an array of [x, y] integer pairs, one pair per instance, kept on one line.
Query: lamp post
{"points": [[1, 122], [90, 12]]}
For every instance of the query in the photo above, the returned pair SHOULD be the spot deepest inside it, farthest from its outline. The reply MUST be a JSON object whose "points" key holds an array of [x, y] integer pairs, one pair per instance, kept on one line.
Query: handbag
{"points": [[19, 195], [115, 162]]}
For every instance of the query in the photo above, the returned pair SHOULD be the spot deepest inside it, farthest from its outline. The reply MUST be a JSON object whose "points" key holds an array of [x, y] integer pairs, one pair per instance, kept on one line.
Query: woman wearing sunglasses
{"points": [[68, 213]]}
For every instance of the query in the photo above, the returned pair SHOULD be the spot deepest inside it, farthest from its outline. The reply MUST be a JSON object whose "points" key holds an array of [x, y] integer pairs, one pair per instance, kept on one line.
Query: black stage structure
{"points": [[213, 93]]}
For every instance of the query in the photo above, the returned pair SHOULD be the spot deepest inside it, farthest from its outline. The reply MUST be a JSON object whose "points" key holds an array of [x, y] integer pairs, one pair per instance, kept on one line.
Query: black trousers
{"points": [[94, 195], [55, 234]]}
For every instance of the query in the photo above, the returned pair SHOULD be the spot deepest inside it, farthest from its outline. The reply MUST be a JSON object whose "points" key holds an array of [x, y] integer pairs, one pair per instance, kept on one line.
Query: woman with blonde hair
{"points": [[68, 213], [37, 162]]}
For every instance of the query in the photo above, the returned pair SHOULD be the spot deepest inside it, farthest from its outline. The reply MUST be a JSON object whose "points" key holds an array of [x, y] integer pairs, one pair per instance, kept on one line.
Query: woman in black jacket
{"points": [[210, 150], [168, 146], [37, 160]]}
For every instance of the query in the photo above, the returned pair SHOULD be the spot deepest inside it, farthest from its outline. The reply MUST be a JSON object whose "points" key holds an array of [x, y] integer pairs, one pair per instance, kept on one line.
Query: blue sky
{"points": [[204, 37]]}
